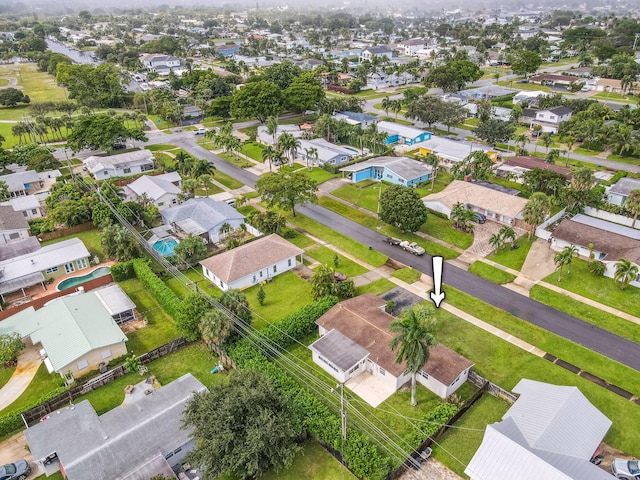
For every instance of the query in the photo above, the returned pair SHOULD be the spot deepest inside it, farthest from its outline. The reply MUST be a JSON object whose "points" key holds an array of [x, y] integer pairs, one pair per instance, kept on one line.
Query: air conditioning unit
{"points": [[205, 241]]}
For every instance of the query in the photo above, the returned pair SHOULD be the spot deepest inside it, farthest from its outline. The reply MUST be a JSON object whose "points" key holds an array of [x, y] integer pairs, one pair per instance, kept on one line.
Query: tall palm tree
{"points": [[269, 155], [184, 163], [626, 272], [565, 257], [434, 161], [272, 127], [632, 204], [536, 210], [215, 327], [204, 181], [310, 152], [414, 337], [386, 105], [396, 106]]}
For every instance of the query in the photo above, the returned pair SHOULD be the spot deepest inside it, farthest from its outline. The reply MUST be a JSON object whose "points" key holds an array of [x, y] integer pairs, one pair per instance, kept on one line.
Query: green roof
{"points": [[68, 328]]}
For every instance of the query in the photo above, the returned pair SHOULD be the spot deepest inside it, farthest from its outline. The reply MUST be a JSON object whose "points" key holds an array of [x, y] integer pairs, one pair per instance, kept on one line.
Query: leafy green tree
{"points": [[237, 304], [261, 296], [632, 204], [304, 93], [189, 251], [402, 207], [626, 272], [283, 74], [268, 221], [10, 97], [100, 132], [452, 114], [191, 311], [524, 62], [477, 164], [101, 214], [285, 190], [493, 131], [453, 76], [243, 427], [257, 100], [119, 244], [413, 340], [4, 190], [99, 86], [71, 212], [427, 109], [43, 162], [11, 345], [323, 282], [536, 211]]}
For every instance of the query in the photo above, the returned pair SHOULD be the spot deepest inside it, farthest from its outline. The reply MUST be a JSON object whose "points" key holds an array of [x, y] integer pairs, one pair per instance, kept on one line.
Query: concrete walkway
{"points": [[28, 363]]}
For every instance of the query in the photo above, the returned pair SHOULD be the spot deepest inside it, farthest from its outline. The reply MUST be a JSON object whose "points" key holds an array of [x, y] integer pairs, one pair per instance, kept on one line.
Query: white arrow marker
{"points": [[437, 296]]}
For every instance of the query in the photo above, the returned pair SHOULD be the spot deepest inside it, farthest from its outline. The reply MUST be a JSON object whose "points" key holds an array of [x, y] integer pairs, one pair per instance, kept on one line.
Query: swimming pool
{"points": [[73, 281], [165, 246], [352, 149]]}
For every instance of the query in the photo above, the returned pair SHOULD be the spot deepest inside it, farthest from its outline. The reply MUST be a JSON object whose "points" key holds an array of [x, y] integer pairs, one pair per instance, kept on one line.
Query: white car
{"points": [[585, 89], [200, 131], [626, 469]]}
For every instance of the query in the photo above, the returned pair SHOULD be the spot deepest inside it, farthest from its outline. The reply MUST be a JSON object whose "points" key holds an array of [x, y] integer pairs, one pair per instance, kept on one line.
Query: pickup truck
{"points": [[412, 247], [392, 241]]}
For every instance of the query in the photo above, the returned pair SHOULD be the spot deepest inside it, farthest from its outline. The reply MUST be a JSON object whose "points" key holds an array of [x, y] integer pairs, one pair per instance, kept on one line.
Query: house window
{"points": [[289, 262], [423, 374], [82, 364], [34, 211], [68, 267], [389, 176], [160, 204], [106, 354], [13, 236], [25, 214], [127, 170], [254, 277], [51, 270], [146, 167], [82, 263], [382, 371], [174, 201], [260, 273], [275, 268], [327, 362]]}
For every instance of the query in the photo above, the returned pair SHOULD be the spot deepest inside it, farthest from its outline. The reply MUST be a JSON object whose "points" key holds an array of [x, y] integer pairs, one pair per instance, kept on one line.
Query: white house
{"points": [[619, 192], [251, 263], [327, 152], [356, 118], [120, 165], [13, 225], [551, 432], [411, 46], [549, 119], [28, 205], [202, 217], [162, 190], [355, 337], [381, 79], [377, 51], [160, 63], [29, 182]]}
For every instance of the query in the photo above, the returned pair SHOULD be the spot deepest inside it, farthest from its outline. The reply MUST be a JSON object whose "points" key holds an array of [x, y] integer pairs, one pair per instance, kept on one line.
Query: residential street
{"points": [[578, 331]]}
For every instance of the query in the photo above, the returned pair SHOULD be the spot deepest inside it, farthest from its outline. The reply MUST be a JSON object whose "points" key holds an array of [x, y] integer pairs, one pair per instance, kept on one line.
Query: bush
{"points": [[287, 232], [332, 169], [40, 225], [123, 271], [437, 214], [163, 294]]}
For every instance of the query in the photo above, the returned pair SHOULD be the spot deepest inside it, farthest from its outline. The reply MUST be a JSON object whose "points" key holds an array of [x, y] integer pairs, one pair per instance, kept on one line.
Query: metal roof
{"points": [[404, 131], [404, 167], [137, 157], [201, 214], [110, 446], [343, 352], [154, 186], [114, 299]]}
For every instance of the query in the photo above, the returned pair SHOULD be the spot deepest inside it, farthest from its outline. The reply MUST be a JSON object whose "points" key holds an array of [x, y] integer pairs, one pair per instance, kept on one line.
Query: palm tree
{"points": [[396, 106], [553, 155], [215, 326], [507, 233], [310, 152], [536, 210], [202, 167], [626, 272], [386, 105], [184, 163], [570, 141], [565, 257], [272, 127], [188, 188], [546, 139], [204, 181], [413, 340], [496, 241], [632, 204]]}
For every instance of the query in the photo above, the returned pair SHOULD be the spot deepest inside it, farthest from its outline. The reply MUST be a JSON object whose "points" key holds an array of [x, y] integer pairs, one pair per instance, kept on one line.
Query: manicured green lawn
{"points": [[408, 275], [618, 158], [226, 180], [161, 327], [55, 476], [212, 189], [463, 443], [584, 151], [506, 364], [5, 375], [320, 175], [253, 150], [491, 273], [300, 240], [601, 289], [160, 147], [616, 97], [513, 258], [363, 197], [343, 242], [90, 238], [194, 275], [42, 383], [40, 86], [325, 256], [377, 287], [582, 357], [285, 294], [604, 320], [442, 229]]}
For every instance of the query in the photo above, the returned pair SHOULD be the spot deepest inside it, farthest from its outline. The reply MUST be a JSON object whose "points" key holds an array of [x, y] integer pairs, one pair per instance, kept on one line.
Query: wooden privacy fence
{"points": [[36, 414], [63, 232], [492, 388]]}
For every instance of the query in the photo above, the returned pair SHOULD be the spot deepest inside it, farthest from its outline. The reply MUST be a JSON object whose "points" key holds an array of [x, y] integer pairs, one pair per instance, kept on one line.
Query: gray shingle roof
{"points": [[625, 186], [343, 352], [109, 446], [201, 212], [12, 220]]}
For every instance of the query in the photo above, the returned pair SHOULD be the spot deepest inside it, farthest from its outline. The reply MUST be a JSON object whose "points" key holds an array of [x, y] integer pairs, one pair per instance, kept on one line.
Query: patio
{"points": [[370, 389]]}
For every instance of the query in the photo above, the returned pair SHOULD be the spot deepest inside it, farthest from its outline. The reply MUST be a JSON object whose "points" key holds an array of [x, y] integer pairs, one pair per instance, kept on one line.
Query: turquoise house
{"points": [[397, 170], [403, 134]]}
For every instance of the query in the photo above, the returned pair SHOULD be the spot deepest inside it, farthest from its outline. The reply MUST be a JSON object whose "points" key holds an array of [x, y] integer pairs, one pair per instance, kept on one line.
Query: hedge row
{"points": [[12, 421], [162, 293], [123, 271], [431, 423]]}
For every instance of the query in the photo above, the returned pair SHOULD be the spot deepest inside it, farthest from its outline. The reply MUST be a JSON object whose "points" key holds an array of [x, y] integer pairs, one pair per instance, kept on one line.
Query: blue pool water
{"points": [[73, 281], [352, 149], [165, 246]]}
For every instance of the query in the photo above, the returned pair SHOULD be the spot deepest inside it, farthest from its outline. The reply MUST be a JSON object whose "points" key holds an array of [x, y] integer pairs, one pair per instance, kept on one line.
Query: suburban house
{"points": [[377, 51], [610, 85], [611, 241], [452, 151], [327, 152], [266, 138], [496, 205], [160, 63], [13, 225], [120, 165], [619, 191], [202, 217], [528, 96], [549, 119], [27, 205], [411, 46], [77, 333], [16, 249], [252, 263], [398, 170], [161, 190], [403, 134], [354, 339], [554, 79], [517, 166], [29, 182], [138, 440], [551, 432], [487, 92], [381, 79], [227, 50], [356, 118]]}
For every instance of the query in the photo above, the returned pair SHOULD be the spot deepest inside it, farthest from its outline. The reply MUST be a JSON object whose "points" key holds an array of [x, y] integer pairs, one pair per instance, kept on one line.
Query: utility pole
{"points": [[343, 412], [196, 284]]}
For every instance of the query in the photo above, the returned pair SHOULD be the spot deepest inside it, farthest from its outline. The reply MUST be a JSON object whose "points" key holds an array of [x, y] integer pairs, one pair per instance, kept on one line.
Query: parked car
{"points": [[200, 131], [19, 470], [339, 277], [585, 89], [412, 247], [626, 469], [392, 240], [479, 217]]}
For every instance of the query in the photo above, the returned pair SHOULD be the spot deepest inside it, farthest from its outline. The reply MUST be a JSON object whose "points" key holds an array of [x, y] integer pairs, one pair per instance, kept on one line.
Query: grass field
{"points": [[326, 256], [5, 375], [513, 258], [408, 275], [90, 238], [377, 287], [442, 229], [491, 273], [253, 150], [41, 384], [226, 180]]}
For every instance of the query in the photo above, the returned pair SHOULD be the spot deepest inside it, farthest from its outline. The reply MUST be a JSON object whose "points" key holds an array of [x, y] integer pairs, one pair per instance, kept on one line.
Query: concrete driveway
{"points": [[28, 363], [15, 448], [481, 234]]}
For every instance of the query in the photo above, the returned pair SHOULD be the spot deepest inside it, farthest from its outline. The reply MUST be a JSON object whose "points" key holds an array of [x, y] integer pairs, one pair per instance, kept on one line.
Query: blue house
{"points": [[397, 170], [227, 50], [402, 133]]}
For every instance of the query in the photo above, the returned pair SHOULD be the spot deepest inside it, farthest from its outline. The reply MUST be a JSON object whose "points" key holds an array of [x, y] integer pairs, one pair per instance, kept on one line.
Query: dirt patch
{"points": [[133, 325]]}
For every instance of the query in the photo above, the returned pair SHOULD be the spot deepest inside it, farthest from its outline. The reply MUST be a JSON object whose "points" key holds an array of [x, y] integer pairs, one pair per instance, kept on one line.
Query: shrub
{"points": [[40, 225], [123, 271], [12, 421], [163, 294], [330, 168]]}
